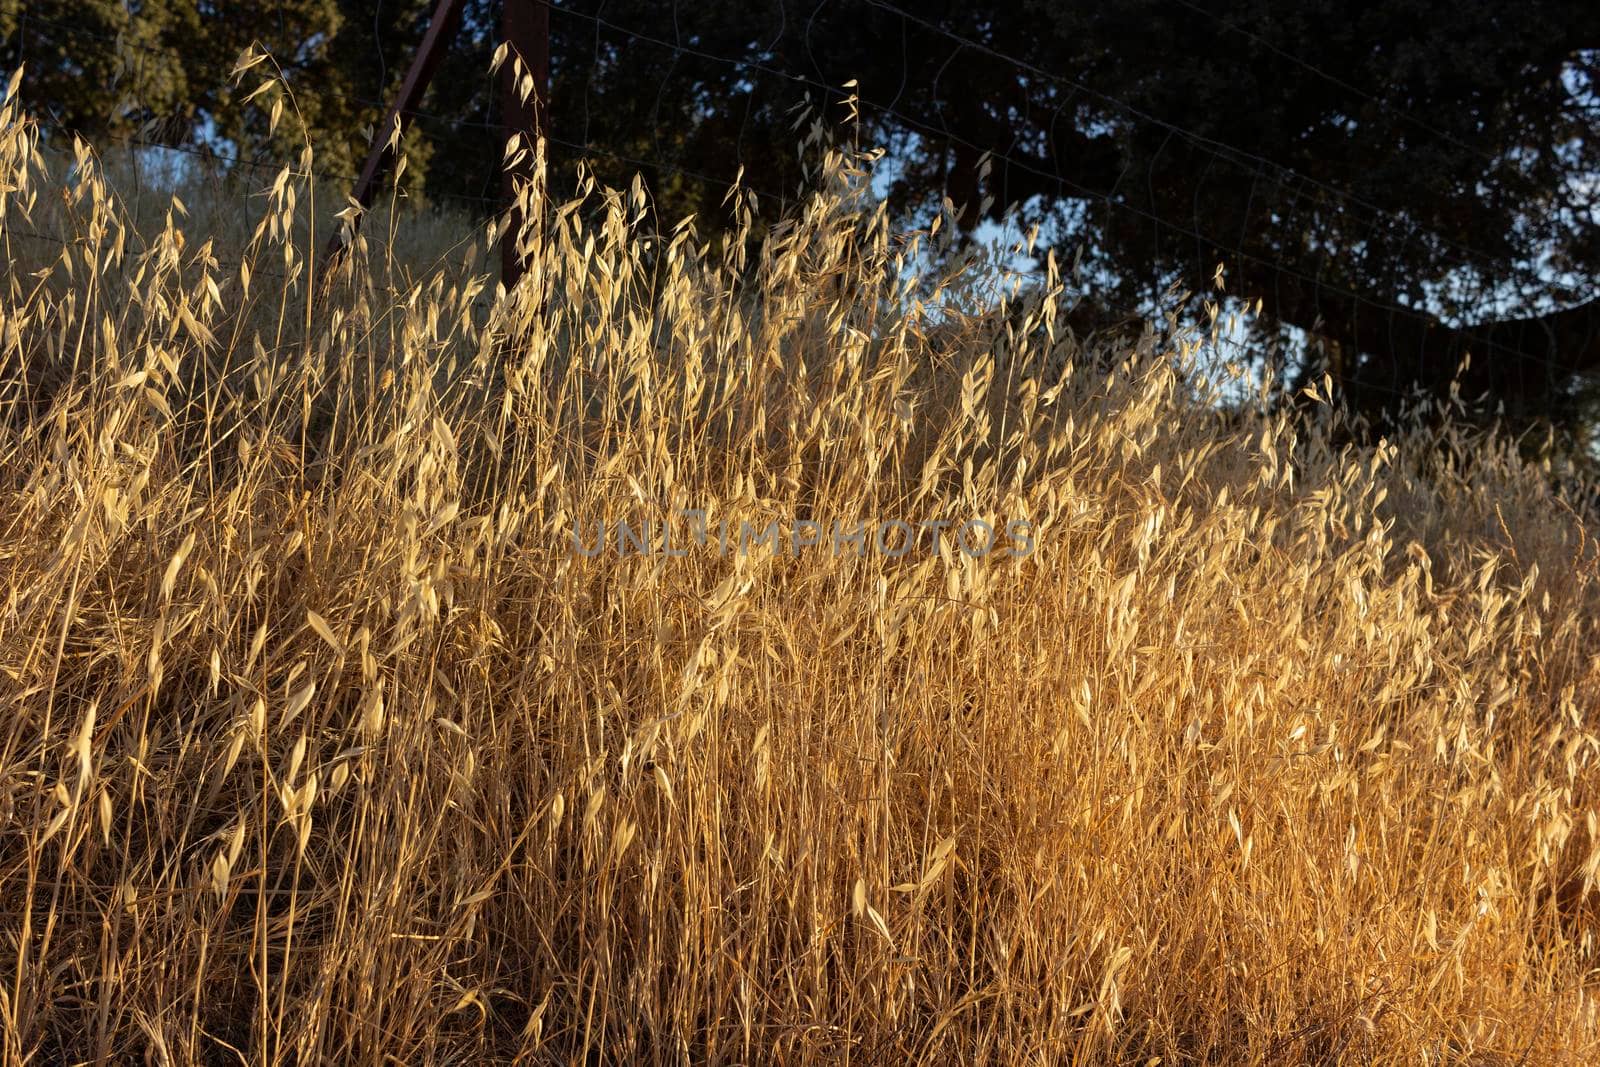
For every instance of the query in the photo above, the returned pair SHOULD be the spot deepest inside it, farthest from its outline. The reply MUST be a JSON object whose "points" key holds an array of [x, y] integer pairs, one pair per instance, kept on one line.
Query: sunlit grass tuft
{"points": [[323, 745]]}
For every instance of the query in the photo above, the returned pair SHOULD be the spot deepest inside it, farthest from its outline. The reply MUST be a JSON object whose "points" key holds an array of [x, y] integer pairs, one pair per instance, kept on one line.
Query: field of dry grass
{"points": [[322, 744]]}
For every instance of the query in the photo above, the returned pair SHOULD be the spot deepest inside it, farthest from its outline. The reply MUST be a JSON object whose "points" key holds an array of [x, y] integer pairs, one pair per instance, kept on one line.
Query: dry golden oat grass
{"points": [[323, 745]]}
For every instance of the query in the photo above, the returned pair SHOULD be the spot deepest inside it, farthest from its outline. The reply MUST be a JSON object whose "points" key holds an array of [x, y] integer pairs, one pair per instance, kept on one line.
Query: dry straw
{"points": [[321, 745]]}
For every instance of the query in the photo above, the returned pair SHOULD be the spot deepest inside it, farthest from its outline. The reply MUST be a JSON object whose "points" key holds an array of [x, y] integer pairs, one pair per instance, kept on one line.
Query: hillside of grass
{"points": [[332, 736]]}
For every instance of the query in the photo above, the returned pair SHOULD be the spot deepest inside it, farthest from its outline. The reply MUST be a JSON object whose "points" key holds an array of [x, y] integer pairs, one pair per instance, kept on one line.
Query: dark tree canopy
{"points": [[1404, 182]]}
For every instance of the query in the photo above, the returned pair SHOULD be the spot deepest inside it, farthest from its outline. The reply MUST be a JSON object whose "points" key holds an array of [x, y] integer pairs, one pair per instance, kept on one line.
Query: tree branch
{"points": [[1382, 349]]}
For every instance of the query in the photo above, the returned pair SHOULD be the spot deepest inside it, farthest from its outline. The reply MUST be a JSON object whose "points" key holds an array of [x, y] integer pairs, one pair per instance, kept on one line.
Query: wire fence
{"points": [[1273, 185]]}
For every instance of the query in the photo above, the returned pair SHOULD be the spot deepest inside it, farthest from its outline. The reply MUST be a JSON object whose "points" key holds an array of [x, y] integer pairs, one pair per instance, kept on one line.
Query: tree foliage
{"points": [[1404, 183]]}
